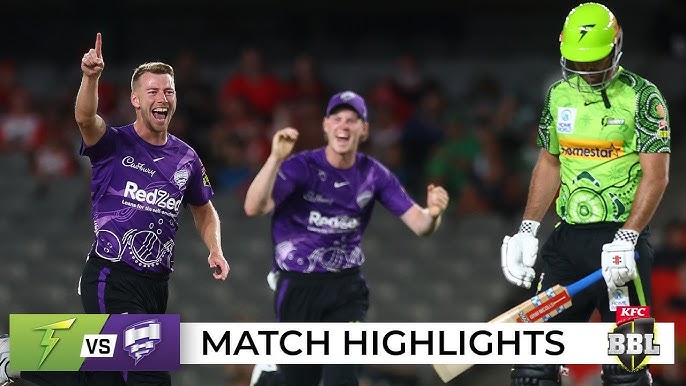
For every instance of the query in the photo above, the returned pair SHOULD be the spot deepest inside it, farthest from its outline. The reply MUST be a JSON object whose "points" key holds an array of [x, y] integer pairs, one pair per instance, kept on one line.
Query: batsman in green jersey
{"points": [[605, 143]]}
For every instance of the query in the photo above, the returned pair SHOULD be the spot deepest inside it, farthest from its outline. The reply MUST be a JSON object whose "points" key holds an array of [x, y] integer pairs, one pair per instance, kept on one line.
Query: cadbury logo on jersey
{"points": [[591, 149], [130, 162]]}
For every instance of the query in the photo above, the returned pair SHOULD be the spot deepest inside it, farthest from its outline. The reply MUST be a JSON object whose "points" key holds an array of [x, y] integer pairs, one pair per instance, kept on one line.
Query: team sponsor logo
{"points": [[157, 197], [565, 119], [324, 224], [130, 162], [609, 121], [591, 149], [317, 198], [619, 297], [624, 314]]}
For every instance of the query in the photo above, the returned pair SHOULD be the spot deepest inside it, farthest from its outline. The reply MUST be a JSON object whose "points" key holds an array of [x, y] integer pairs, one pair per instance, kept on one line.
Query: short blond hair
{"points": [[153, 67]]}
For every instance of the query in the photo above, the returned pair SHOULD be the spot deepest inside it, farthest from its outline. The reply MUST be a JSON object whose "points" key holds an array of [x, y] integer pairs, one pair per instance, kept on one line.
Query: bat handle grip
{"points": [[587, 281]]}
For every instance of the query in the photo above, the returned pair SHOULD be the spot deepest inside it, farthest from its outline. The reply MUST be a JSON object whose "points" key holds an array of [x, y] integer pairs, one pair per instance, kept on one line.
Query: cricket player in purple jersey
{"points": [[142, 175], [321, 202]]}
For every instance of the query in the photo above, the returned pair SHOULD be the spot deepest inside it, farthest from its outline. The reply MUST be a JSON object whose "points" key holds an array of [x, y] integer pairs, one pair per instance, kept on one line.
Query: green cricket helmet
{"points": [[590, 33]]}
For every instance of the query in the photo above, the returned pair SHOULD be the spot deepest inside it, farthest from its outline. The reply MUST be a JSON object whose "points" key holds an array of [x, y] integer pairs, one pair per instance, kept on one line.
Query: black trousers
{"points": [[321, 297], [113, 288], [570, 253], [573, 251]]}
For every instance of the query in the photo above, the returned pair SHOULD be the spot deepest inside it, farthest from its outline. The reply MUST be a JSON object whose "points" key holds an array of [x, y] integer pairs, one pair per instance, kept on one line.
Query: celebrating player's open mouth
{"points": [[160, 114], [342, 138], [158, 118]]}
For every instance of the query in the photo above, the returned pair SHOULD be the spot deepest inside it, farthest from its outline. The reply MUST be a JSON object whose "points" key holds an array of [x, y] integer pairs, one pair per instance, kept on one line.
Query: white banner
{"points": [[417, 343]]}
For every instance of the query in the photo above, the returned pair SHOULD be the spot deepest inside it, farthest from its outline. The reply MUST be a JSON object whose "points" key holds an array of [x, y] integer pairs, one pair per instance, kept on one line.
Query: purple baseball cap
{"points": [[348, 98]]}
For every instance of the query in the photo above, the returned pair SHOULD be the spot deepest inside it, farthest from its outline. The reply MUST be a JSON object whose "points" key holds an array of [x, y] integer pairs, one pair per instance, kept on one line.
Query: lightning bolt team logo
{"points": [[49, 341], [584, 30]]}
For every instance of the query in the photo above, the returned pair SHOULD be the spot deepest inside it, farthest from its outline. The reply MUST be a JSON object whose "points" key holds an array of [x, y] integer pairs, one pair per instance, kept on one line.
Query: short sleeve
{"points": [[199, 190], [105, 147], [292, 174], [391, 193], [547, 135], [652, 121]]}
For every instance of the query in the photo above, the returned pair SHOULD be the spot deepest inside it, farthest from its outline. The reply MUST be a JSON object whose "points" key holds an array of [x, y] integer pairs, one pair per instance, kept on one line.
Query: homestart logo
{"points": [[632, 340], [591, 149]]}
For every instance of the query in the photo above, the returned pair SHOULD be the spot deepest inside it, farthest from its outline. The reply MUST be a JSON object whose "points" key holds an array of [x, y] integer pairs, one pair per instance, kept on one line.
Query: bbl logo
{"points": [[633, 338]]}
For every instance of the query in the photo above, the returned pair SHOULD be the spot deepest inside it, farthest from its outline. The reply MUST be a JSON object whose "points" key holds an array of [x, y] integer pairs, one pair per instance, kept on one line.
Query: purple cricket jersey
{"points": [[321, 212], [137, 189]]}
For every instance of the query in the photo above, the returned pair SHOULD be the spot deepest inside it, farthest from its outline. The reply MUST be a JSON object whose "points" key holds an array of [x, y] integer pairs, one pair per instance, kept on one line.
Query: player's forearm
{"points": [[208, 225], [86, 101], [545, 181], [648, 196], [85, 111], [420, 221], [258, 199]]}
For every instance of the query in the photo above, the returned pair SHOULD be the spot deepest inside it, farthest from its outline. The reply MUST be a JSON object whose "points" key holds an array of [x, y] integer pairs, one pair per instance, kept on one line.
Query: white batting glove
{"points": [[518, 254], [617, 259], [273, 279]]}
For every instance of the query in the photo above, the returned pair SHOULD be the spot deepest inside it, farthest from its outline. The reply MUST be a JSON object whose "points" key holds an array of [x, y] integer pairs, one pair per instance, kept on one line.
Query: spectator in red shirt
{"points": [[22, 129], [261, 89]]}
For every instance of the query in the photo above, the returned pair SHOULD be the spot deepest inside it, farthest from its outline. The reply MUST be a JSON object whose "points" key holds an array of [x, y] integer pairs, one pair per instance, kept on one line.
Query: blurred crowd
{"points": [[480, 145], [417, 131]]}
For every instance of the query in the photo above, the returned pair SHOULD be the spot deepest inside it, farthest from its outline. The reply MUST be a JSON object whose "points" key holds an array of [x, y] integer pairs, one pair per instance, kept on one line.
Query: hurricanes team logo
{"points": [[141, 338], [348, 95], [181, 177]]}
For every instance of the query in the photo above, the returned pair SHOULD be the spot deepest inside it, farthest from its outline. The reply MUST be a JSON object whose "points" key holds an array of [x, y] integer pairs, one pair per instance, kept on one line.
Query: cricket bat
{"points": [[539, 308]]}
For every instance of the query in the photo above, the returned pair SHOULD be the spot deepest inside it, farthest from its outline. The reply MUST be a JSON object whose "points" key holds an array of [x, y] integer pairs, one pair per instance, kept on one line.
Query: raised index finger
{"points": [[98, 45]]}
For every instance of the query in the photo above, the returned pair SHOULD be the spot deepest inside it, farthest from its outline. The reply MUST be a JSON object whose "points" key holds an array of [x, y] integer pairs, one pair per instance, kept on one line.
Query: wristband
{"points": [[529, 226], [627, 235]]}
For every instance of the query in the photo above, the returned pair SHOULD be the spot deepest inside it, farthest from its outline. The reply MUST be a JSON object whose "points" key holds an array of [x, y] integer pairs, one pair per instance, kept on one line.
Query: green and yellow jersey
{"points": [[598, 141]]}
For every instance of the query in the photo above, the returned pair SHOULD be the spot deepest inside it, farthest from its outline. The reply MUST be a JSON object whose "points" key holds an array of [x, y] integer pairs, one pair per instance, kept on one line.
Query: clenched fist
{"points": [[283, 142]]}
